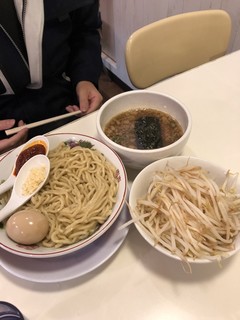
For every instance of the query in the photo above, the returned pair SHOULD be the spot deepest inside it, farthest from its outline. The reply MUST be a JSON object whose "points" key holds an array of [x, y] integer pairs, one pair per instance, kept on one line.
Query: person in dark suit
{"points": [[50, 61]]}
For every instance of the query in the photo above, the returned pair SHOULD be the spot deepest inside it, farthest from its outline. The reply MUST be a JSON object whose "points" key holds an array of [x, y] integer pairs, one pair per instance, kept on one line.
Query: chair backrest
{"points": [[176, 44]]}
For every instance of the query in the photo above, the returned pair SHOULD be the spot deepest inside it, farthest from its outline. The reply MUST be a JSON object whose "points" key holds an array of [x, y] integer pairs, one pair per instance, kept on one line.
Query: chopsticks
{"points": [[42, 122]]}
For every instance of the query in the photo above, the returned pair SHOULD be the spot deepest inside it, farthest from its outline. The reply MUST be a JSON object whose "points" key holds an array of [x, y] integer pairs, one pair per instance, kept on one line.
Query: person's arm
{"points": [[85, 63], [14, 141], [89, 98]]}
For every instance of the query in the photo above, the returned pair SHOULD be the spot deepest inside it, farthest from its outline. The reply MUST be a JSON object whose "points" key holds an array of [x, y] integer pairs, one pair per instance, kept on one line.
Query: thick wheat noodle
{"points": [[78, 196], [185, 211]]}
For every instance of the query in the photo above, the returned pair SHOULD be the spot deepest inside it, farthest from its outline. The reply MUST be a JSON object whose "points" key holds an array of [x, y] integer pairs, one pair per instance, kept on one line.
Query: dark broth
{"points": [[122, 128]]}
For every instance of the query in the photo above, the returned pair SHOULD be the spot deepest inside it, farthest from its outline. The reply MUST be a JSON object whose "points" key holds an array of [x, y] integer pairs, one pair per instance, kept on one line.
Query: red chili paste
{"points": [[26, 154]]}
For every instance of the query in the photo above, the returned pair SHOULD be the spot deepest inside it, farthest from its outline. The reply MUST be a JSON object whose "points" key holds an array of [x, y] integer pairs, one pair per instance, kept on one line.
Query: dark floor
{"points": [[110, 85]]}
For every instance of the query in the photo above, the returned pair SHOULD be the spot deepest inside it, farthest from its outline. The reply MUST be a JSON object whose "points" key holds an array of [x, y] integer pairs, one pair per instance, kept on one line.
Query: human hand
{"points": [[14, 141], [89, 98]]}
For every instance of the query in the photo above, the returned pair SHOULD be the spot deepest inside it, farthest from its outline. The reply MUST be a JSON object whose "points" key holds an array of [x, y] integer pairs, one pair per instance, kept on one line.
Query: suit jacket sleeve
{"points": [[85, 61]]}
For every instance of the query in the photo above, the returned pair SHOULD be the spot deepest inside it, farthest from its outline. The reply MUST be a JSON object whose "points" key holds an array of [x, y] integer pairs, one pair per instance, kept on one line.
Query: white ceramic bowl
{"points": [[36, 251], [141, 183], [144, 99]]}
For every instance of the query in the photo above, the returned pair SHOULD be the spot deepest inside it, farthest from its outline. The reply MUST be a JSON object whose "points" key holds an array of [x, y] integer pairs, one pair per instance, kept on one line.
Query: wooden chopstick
{"points": [[41, 122]]}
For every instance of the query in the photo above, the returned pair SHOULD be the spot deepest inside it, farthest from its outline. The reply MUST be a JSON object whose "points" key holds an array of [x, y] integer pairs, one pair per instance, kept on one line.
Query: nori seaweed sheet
{"points": [[148, 133]]}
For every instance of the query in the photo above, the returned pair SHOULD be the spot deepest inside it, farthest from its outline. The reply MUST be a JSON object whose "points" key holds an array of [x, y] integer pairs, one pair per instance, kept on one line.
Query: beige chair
{"points": [[176, 44]]}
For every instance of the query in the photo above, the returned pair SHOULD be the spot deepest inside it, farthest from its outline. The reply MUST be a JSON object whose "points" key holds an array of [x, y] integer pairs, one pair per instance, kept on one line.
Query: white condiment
{"points": [[34, 179]]}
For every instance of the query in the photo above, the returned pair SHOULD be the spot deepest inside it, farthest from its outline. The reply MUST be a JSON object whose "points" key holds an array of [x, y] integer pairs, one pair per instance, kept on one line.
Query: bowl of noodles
{"points": [[84, 195], [188, 209]]}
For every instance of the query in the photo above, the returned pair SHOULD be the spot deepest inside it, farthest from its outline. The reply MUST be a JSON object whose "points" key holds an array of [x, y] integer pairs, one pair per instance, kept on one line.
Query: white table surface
{"points": [[138, 282]]}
